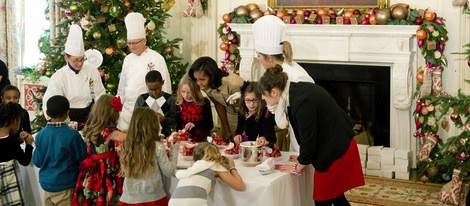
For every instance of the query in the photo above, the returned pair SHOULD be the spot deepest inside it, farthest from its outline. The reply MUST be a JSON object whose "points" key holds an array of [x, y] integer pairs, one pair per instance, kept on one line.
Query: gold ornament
{"points": [[382, 16], [104, 8], [242, 11], [453, 149], [432, 171], [399, 12], [167, 4], [424, 178], [112, 28], [96, 35], [151, 26], [255, 15], [121, 43], [252, 6], [169, 50], [100, 19], [463, 141], [421, 119]]}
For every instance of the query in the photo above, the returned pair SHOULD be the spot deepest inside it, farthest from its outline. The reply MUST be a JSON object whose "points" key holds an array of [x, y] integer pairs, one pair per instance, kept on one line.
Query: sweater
{"points": [[10, 148], [199, 115], [322, 129], [59, 152], [150, 188], [165, 105], [264, 127]]}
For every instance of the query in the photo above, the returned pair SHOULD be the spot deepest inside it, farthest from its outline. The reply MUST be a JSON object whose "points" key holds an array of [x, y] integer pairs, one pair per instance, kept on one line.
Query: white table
{"points": [[275, 189]]}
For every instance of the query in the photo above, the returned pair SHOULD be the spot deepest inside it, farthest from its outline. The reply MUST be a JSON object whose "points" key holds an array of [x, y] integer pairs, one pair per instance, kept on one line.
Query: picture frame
{"points": [[337, 4]]}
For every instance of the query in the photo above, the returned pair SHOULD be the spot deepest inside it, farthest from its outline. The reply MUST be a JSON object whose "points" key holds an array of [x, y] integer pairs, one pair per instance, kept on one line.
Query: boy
{"points": [[59, 152], [11, 93], [159, 101]]}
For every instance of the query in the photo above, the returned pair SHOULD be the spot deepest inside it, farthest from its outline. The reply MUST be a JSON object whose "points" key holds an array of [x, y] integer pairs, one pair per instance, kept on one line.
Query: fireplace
{"points": [[388, 46]]}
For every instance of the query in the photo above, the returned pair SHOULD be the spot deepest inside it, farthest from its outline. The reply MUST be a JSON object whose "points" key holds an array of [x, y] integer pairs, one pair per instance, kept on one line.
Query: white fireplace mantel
{"points": [[383, 45]]}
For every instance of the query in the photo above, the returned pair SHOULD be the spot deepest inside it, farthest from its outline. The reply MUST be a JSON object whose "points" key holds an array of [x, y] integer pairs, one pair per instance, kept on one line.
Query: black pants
{"points": [[337, 201], [80, 115]]}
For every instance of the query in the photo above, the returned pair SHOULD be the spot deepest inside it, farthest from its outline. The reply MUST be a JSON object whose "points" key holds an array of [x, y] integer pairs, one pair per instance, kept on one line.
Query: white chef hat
{"points": [[268, 32], [135, 25], [74, 45]]}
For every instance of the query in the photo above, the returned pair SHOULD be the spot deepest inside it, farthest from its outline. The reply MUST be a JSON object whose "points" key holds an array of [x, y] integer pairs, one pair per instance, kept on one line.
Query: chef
{"points": [[136, 65], [80, 84]]}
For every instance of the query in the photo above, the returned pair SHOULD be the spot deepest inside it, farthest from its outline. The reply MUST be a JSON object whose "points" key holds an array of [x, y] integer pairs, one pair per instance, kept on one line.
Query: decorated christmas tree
{"points": [[105, 31]]}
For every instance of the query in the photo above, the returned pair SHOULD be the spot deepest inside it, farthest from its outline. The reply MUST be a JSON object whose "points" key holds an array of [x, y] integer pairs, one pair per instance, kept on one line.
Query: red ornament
{"points": [[420, 43], [365, 21], [347, 21], [418, 108], [442, 47], [333, 16], [419, 20], [439, 21], [418, 125], [376, 9], [319, 21], [356, 12], [307, 13]]}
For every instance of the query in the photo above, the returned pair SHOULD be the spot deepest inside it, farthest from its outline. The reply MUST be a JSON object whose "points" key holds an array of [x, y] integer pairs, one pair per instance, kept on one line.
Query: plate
{"points": [[94, 58]]}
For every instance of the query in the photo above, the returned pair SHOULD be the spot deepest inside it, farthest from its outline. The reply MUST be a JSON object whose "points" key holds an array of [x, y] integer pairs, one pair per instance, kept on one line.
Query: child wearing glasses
{"points": [[253, 120]]}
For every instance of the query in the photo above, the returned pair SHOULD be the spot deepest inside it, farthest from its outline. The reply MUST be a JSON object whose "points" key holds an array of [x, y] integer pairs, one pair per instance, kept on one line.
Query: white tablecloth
{"points": [[275, 189]]}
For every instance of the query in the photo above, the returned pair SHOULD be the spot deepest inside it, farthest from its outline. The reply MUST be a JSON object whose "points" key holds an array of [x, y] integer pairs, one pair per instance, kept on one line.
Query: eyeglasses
{"points": [[77, 60], [134, 43], [249, 101]]}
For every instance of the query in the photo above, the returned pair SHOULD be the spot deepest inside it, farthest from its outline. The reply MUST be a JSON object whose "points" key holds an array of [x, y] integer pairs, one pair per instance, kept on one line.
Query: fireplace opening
{"points": [[363, 92]]}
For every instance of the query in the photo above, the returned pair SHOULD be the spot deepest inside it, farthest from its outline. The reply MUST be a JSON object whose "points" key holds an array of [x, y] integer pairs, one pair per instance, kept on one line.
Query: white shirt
{"points": [[79, 89], [132, 81]]}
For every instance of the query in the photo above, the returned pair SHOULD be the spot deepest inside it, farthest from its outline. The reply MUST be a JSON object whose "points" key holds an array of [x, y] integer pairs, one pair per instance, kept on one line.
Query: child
{"points": [[10, 149], [196, 182], [11, 93], [161, 102], [195, 113], [95, 185], [59, 152], [143, 159], [252, 120]]}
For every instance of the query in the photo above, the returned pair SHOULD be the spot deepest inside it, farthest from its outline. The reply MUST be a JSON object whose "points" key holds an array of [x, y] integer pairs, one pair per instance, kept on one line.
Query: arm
{"points": [[222, 112], [37, 156], [167, 164], [232, 178], [24, 157], [78, 147], [240, 127], [116, 136], [25, 122], [170, 115], [98, 87], [305, 118]]}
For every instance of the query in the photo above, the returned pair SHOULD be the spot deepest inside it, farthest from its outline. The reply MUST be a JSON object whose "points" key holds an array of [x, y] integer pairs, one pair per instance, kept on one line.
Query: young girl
{"points": [[194, 113], [196, 182], [99, 182], [11, 93], [10, 150], [218, 85], [143, 158], [252, 120]]}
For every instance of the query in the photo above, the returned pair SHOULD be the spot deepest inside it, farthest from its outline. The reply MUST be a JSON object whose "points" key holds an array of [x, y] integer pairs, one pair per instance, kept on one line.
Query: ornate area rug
{"points": [[384, 191]]}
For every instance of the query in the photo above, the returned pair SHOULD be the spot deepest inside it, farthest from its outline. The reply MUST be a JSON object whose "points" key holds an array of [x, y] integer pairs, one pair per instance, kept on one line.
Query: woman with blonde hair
{"points": [[143, 159]]}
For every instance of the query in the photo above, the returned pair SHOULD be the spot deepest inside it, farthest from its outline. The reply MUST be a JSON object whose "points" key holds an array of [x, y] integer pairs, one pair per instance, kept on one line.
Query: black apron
{"points": [[80, 115]]}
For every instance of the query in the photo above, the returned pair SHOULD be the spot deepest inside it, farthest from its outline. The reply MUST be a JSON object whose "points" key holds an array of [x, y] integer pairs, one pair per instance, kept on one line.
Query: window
{"points": [[35, 24]]}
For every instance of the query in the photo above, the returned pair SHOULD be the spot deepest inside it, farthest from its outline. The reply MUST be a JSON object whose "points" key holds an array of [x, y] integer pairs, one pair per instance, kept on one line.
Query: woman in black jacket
{"points": [[323, 131]]}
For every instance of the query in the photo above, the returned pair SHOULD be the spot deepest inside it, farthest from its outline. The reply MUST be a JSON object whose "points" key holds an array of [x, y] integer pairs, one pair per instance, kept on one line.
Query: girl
{"points": [[11, 93], [196, 182], [323, 130], [10, 150], [143, 159], [194, 113], [252, 121], [99, 182], [218, 85]]}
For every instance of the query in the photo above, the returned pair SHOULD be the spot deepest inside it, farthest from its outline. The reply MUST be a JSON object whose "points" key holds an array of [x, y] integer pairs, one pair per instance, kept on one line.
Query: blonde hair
{"points": [[102, 115], [287, 53], [138, 150], [193, 88], [209, 152]]}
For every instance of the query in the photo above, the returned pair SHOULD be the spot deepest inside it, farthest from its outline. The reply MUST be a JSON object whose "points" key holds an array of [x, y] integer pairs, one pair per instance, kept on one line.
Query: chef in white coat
{"points": [[80, 83], [136, 65], [269, 34]]}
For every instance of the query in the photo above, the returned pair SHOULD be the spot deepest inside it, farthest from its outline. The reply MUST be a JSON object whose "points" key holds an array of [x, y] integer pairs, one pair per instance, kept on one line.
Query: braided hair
{"points": [[9, 113]]}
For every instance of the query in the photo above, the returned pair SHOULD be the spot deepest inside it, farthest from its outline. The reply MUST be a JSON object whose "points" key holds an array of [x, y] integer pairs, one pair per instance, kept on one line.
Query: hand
{"points": [[231, 163], [237, 139], [29, 139], [189, 126], [262, 141], [232, 99], [293, 158], [289, 168]]}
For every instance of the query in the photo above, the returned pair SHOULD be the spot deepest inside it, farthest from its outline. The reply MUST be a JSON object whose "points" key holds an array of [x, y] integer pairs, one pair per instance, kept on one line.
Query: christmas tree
{"points": [[105, 31]]}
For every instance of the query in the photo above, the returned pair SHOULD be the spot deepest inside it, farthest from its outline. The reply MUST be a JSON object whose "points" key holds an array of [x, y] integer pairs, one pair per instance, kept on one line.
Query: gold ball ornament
{"points": [[399, 12], [121, 43], [255, 15], [109, 51], [48, 73], [382, 16], [252, 6], [106, 76], [432, 171], [242, 11], [151, 26], [424, 178], [96, 35], [453, 149], [169, 50], [74, 8]]}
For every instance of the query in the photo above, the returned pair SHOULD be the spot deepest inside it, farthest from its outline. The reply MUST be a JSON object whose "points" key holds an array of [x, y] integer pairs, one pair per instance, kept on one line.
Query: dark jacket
{"points": [[322, 129], [263, 127]]}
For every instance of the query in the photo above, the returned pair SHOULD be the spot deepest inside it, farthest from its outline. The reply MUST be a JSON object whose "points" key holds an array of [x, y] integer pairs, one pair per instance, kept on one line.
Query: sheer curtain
{"points": [[11, 35]]}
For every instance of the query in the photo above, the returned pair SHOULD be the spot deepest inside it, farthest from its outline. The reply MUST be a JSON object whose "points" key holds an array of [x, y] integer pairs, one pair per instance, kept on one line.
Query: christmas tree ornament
{"points": [[100, 19], [115, 11], [432, 171], [300, 12], [74, 8], [252, 6], [48, 73], [419, 77], [424, 111], [372, 19], [267, 12], [453, 149], [110, 86], [419, 20], [104, 8], [431, 141], [165, 4], [442, 47], [112, 27], [420, 43], [106, 76], [356, 12], [280, 15], [421, 34], [121, 42], [151, 26], [421, 119], [227, 18], [322, 12], [445, 124], [96, 35], [242, 11], [429, 16], [255, 15], [454, 117], [109, 51], [463, 156], [424, 178], [224, 46], [382, 16], [450, 192], [169, 50], [348, 15], [232, 57]]}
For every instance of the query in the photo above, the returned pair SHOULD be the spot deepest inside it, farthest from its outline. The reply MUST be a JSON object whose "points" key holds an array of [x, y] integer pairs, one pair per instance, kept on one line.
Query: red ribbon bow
{"points": [[116, 103]]}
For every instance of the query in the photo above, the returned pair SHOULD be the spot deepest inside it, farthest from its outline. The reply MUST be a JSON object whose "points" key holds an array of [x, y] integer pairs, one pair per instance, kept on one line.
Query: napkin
{"points": [[266, 167]]}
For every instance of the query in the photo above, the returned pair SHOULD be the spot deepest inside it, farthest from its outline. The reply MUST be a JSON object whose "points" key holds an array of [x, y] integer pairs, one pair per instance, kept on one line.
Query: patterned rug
{"points": [[383, 191]]}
